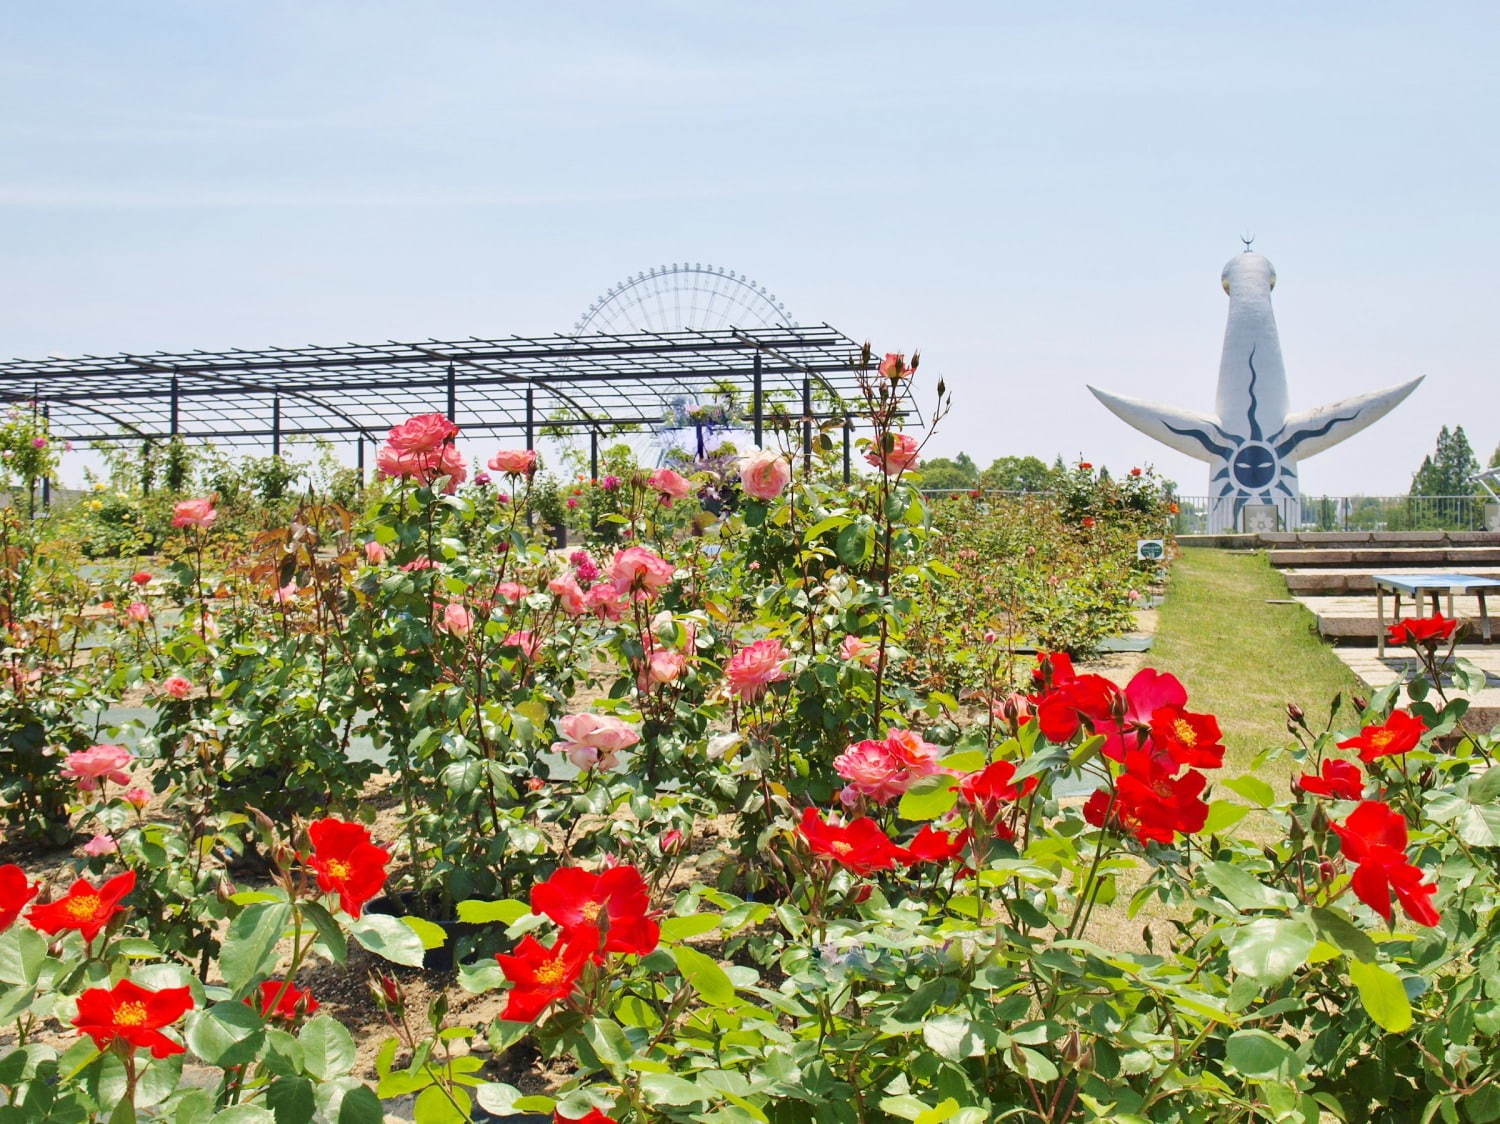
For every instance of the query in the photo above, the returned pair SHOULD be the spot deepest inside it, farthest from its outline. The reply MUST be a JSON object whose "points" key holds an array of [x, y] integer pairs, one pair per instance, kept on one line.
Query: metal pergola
{"points": [[566, 385]]}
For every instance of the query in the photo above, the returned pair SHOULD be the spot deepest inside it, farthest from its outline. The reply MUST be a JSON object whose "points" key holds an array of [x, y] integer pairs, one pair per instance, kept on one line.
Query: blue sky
{"points": [[1037, 195]]}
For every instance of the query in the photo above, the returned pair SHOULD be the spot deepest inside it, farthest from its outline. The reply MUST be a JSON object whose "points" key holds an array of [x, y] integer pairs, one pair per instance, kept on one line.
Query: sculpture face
{"points": [[1254, 467]]}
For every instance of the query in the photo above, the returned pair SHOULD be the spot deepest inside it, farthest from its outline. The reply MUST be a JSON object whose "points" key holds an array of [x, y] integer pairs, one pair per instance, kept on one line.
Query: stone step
{"points": [[1393, 559], [1484, 706], [1336, 581], [1322, 540], [1351, 619]]}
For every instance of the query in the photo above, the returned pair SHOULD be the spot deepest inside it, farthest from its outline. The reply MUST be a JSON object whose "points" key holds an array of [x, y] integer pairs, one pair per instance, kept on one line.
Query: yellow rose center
{"points": [[337, 869], [130, 1013], [591, 912], [1382, 738], [1185, 732], [552, 972], [83, 907], [840, 847]]}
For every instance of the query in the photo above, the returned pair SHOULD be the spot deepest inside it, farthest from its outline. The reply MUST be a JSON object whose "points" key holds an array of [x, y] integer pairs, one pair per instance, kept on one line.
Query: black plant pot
{"points": [[409, 904]]}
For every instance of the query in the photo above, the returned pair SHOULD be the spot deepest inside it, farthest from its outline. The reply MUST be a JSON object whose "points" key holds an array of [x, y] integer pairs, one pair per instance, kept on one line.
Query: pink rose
{"points": [[422, 434], [604, 601], [635, 570], [893, 366], [511, 591], [514, 462], [194, 513], [859, 651], [374, 553], [671, 484], [286, 594], [138, 611], [569, 593], [666, 666], [100, 845], [99, 763], [901, 455], [420, 562], [591, 741], [424, 467], [526, 640], [137, 798], [456, 620], [755, 667], [882, 770], [177, 687], [765, 474]]}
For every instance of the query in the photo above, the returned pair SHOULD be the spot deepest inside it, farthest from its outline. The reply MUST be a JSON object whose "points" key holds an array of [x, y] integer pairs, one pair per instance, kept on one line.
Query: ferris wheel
{"points": [[675, 297]]}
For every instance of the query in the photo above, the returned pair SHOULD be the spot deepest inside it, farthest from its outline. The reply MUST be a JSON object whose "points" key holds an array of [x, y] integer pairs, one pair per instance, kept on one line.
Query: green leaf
{"points": [[938, 1113], [707, 978], [245, 1114], [929, 798], [329, 931], [327, 1047], [225, 1034], [249, 950], [1339, 931], [1487, 787], [388, 937], [1382, 996], [291, 1099], [22, 954], [1252, 789], [1222, 815], [506, 912], [663, 1088], [1269, 949], [361, 1106], [693, 925], [823, 526], [434, 1106], [430, 934], [1242, 889], [1258, 1054], [953, 1037]]}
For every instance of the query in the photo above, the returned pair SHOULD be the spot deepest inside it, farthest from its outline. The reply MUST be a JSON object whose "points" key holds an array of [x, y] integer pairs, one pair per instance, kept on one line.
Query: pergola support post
{"points": [[175, 406], [47, 480], [848, 434], [359, 457], [452, 392], [530, 418], [593, 454], [757, 403], [807, 424], [276, 425]]}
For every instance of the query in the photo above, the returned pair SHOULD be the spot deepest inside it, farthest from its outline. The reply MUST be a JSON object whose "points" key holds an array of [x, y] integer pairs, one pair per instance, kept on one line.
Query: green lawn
{"points": [[1241, 658]]}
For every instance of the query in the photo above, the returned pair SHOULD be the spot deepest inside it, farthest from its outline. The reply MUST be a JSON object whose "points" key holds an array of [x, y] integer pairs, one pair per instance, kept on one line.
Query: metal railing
{"points": [[1357, 513]]}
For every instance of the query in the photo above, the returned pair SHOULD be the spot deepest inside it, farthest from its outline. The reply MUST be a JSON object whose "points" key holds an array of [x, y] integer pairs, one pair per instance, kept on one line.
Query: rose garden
{"points": [[770, 797]]}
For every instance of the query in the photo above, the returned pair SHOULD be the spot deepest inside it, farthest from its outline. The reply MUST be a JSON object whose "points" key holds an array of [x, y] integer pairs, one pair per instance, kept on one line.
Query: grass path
{"points": [[1241, 658]]}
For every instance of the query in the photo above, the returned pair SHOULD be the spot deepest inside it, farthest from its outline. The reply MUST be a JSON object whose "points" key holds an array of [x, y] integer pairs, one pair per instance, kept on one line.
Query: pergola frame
{"points": [[592, 384]]}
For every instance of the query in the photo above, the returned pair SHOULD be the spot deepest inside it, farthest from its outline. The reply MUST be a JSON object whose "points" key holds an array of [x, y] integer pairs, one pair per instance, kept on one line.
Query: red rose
{"points": [[1339, 779], [542, 975], [134, 1015], [993, 787], [933, 846], [1189, 739], [859, 846], [1432, 631], [282, 999], [84, 907], [1400, 733], [1374, 838], [15, 892], [604, 912], [347, 862]]}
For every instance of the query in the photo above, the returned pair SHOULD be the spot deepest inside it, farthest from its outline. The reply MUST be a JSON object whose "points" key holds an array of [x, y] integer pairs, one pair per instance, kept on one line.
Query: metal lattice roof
{"points": [[576, 383]]}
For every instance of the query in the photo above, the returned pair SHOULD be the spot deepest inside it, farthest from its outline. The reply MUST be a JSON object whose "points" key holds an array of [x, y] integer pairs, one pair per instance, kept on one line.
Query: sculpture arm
{"points": [[1315, 430], [1197, 435]]}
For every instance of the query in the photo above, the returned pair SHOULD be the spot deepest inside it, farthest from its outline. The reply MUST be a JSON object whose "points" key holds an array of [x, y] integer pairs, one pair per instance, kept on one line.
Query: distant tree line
{"points": [[1005, 474]]}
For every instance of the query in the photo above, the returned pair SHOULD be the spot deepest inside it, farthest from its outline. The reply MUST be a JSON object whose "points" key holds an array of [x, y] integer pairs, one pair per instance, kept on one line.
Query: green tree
{"points": [[1446, 471], [942, 473], [1020, 474]]}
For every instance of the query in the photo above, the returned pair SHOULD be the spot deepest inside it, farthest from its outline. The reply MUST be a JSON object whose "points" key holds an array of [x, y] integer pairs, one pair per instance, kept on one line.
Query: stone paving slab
{"points": [[1397, 557], [1330, 580], [1346, 618], [1484, 709]]}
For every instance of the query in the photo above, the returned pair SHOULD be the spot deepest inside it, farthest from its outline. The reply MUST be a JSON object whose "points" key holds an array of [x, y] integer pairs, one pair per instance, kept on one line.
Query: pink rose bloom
{"points": [[194, 513], [893, 366], [765, 474], [898, 458], [456, 620], [514, 462], [38, 442], [569, 593], [635, 570], [584, 565], [755, 667], [511, 591], [859, 651], [422, 434], [421, 562], [374, 553], [138, 611], [286, 594], [1147, 692], [137, 798], [604, 601], [99, 763], [591, 741], [885, 769], [177, 687], [100, 845], [666, 666], [671, 484], [526, 640], [423, 467]]}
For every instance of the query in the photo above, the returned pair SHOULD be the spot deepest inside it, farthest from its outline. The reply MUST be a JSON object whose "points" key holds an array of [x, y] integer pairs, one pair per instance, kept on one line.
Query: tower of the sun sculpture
{"points": [[1253, 445]]}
